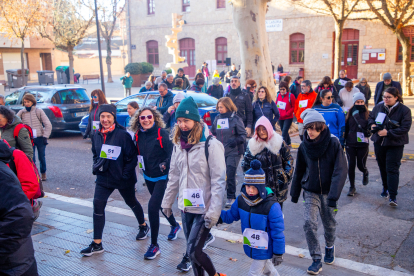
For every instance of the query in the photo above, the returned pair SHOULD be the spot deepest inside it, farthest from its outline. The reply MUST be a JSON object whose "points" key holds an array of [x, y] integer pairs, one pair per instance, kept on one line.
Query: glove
{"points": [[355, 112], [232, 143], [210, 222], [167, 212], [163, 164], [45, 141], [277, 259], [85, 136], [220, 221]]}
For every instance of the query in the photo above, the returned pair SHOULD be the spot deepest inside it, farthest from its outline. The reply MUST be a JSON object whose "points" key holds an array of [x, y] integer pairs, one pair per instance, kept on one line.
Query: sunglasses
{"points": [[145, 116], [94, 97], [329, 97]]}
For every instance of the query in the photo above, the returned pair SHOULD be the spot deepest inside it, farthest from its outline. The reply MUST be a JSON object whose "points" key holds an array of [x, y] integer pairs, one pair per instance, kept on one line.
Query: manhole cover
{"points": [[39, 228]]}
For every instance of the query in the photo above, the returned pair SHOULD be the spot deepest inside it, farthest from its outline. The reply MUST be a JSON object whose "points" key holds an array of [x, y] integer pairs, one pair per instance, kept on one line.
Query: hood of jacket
{"points": [[6, 152], [274, 144], [16, 121], [263, 121], [169, 94]]}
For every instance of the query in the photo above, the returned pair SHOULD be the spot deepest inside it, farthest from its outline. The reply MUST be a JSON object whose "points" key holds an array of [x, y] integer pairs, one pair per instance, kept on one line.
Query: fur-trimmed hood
{"points": [[274, 144]]}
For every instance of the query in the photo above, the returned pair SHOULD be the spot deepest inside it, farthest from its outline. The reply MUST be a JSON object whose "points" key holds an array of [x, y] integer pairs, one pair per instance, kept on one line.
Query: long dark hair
{"points": [[325, 80], [101, 96], [393, 91], [320, 96]]}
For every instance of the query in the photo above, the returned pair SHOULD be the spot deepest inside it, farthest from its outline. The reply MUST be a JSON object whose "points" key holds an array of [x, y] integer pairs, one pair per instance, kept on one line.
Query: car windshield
{"points": [[152, 100], [42, 95], [203, 100], [73, 96], [121, 106]]}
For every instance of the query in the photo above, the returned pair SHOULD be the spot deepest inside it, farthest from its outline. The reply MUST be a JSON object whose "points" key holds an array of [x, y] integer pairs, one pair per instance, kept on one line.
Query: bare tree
{"points": [[249, 20], [67, 25], [107, 26], [340, 11], [395, 15]]}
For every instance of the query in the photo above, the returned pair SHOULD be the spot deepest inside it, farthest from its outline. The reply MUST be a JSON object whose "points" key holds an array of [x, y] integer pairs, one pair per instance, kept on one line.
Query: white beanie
{"points": [[178, 97], [310, 116]]}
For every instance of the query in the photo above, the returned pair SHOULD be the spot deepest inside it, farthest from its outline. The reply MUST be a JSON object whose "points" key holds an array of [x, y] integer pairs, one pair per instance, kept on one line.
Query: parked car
{"points": [[206, 106], [65, 105]]}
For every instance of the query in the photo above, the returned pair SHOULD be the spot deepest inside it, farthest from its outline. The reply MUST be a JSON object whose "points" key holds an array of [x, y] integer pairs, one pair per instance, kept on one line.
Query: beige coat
{"points": [[191, 170], [34, 119]]}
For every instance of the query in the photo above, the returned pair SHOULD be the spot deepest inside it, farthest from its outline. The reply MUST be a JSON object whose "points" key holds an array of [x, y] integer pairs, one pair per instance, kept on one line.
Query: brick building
{"points": [[297, 39]]}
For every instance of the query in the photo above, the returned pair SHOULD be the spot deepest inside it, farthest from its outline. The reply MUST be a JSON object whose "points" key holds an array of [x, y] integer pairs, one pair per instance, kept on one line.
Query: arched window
{"points": [[297, 48], [409, 33], [221, 50], [152, 52]]}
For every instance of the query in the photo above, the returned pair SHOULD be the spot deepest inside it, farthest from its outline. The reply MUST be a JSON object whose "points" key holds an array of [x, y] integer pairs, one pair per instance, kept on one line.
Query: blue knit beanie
{"points": [[255, 176]]}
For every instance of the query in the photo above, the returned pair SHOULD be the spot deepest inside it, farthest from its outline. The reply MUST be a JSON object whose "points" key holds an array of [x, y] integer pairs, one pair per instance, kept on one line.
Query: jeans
{"points": [[389, 162], [356, 156], [127, 91], [262, 267], [196, 234], [314, 204], [99, 203], [232, 161], [285, 126], [157, 190], [32, 271], [41, 153]]}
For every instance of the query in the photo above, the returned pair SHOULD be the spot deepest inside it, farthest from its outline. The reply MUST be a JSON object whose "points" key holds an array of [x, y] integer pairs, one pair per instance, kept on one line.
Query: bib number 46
{"points": [[195, 195]]}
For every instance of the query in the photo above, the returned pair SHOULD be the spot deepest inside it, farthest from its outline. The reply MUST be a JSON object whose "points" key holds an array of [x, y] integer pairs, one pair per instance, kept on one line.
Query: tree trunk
{"points": [[406, 80], [249, 20], [109, 59], [339, 28], [70, 55], [23, 71]]}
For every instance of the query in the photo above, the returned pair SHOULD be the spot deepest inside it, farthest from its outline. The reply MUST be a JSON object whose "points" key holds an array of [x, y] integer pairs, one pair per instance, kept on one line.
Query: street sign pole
{"points": [[99, 48]]}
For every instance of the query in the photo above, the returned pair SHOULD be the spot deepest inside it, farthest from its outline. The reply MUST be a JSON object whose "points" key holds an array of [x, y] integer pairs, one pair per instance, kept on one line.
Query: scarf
{"points": [[184, 140], [28, 108], [236, 92], [316, 148], [106, 131], [226, 115], [250, 200]]}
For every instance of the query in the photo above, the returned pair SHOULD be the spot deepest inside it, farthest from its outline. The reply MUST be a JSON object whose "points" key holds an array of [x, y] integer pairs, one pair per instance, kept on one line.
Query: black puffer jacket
{"points": [[277, 163], [356, 123], [243, 104], [119, 173], [321, 168], [236, 132], [396, 136], [16, 220], [149, 146]]}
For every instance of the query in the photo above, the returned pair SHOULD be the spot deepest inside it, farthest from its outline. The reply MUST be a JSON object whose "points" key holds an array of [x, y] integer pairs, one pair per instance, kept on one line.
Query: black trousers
{"points": [[285, 126], [389, 162], [232, 161], [99, 203], [32, 271], [157, 190], [357, 156]]}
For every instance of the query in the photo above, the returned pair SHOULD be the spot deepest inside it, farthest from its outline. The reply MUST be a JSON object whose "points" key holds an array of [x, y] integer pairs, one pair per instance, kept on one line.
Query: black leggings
{"points": [[157, 190], [196, 234], [357, 156], [232, 161], [99, 203]]}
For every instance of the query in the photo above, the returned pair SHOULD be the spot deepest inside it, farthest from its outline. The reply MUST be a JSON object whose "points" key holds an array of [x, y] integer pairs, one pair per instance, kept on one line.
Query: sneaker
{"points": [[152, 252], [44, 178], [185, 264], [329, 255], [315, 268], [229, 202], [352, 191], [209, 240], [365, 179], [143, 232], [93, 248], [174, 232], [393, 202], [384, 193], [37, 204]]}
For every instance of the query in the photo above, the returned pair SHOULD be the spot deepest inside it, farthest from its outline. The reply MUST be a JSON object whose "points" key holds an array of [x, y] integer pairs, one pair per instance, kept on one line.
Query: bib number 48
{"points": [[255, 237]]}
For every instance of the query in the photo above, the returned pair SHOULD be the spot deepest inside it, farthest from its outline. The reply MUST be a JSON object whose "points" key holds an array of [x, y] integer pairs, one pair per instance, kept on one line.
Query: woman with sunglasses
{"points": [[97, 99], [365, 89], [332, 112], [285, 102], [390, 121], [250, 88], [263, 105], [154, 156]]}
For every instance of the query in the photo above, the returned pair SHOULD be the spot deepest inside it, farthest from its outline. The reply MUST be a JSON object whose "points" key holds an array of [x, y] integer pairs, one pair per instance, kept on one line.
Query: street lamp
{"points": [[99, 48]]}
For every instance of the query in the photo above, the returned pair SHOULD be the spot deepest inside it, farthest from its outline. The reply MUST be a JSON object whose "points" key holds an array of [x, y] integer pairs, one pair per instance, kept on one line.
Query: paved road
{"points": [[369, 231]]}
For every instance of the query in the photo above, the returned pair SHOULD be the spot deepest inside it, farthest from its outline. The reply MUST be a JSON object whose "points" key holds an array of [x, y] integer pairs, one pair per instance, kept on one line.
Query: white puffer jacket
{"points": [[191, 170], [34, 119]]}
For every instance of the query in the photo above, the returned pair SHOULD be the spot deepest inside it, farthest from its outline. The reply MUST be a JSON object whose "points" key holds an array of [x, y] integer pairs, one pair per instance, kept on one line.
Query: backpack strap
{"points": [[206, 146], [160, 137]]}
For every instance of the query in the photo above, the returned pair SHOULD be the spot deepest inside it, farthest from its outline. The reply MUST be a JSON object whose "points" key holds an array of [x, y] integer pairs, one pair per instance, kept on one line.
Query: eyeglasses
{"points": [[282, 89], [363, 82], [386, 97], [254, 86], [145, 116], [329, 97], [94, 97]]}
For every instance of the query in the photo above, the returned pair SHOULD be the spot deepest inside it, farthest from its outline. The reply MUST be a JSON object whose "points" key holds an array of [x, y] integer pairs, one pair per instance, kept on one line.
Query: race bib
{"points": [[110, 152], [223, 123], [34, 133], [380, 118], [193, 198], [281, 105], [303, 104], [361, 137], [342, 82], [141, 162], [95, 125], [255, 238]]}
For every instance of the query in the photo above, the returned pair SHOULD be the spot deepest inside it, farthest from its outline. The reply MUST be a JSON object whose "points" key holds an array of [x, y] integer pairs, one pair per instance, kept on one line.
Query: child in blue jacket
{"points": [[261, 221]]}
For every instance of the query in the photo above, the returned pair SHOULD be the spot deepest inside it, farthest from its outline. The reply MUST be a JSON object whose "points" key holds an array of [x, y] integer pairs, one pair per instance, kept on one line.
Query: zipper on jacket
{"points": [[250, 226], [320, 181]]}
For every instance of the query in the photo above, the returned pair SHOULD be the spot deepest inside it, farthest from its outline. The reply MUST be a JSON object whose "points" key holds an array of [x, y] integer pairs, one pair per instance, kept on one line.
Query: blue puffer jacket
{"points": [[265, 216]]}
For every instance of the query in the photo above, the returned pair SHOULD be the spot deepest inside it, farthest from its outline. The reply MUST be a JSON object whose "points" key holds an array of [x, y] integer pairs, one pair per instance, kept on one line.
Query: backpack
{"points": [[159, 138], [17, 131], [206, 146], [277, 96], [123, 81]]}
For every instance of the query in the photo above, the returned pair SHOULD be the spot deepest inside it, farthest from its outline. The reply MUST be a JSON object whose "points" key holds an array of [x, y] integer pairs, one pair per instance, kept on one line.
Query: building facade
{"points": [[296, 39]]}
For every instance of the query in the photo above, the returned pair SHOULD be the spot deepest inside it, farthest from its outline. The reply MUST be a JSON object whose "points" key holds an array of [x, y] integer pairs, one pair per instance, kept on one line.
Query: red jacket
{"points": [[287, 113], [26, 174], [311, 97]]}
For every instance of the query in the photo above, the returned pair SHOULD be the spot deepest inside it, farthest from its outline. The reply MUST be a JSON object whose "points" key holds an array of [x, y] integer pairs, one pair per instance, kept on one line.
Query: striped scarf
{"points": [[250, 201]]}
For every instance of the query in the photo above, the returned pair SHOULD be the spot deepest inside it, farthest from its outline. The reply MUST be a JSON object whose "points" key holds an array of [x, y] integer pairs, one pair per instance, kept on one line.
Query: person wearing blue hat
{"points": [[261, 222]]}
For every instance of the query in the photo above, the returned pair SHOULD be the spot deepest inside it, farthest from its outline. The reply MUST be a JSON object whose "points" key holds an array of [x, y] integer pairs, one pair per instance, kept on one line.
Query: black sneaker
{"points": [[384, 193], [365, 179], [393, 202], [143, 232], [352, 191], [93, 248], [329, 255], [185, 264], [315, 268], [209, 240]]}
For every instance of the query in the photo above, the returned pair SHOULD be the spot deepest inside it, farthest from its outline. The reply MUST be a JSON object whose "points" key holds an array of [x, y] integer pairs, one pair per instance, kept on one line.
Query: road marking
{"points": [[291, 250]]}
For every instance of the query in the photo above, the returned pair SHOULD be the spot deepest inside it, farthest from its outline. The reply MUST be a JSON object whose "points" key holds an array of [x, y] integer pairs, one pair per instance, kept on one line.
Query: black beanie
{"points": [[110, 108]]}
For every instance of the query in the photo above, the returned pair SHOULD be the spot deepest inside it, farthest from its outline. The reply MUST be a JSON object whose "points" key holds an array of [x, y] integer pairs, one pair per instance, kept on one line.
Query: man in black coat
{"points": [[243, 104], [382, 85], [16, 221], [169, 81], [339, 84]]}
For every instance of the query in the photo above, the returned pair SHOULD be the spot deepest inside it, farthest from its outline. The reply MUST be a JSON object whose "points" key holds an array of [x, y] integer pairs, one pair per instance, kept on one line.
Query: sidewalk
{"points": [[64, 228]]}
